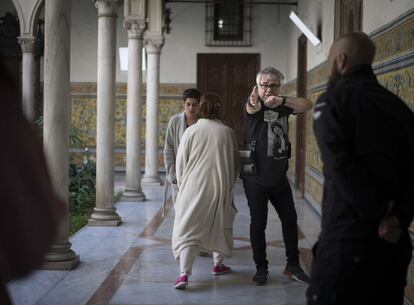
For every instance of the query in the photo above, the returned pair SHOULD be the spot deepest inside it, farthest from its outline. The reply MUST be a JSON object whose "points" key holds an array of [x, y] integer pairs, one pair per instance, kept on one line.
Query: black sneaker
{"points": [[296, 273], [260, 278]]}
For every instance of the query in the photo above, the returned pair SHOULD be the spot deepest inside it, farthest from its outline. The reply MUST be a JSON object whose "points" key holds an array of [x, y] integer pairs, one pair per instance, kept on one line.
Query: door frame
{"points": [[301, 117]]}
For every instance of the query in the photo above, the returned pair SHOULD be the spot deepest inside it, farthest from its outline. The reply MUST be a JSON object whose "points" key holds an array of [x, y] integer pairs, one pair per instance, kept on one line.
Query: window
{"points": [[228, 23]]}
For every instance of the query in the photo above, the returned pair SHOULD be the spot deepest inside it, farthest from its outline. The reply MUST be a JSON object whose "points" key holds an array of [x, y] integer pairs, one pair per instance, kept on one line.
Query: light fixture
{"points": [[123, 59], [305, 30]]}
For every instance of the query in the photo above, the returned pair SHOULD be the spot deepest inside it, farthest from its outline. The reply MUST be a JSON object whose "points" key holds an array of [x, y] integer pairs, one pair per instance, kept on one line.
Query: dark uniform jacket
{"points": [[366, 139]]}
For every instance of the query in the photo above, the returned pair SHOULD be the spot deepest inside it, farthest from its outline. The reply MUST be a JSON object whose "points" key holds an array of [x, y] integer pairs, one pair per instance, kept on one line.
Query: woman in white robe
{"points": [[175, 130], [207, 167]]}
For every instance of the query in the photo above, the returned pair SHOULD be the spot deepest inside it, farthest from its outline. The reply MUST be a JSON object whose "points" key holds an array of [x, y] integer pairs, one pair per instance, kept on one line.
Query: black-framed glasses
{"points": [[269, 86]]}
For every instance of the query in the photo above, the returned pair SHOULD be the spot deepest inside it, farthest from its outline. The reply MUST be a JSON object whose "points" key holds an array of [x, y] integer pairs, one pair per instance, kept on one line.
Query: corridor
{"points": [[133, 263]]}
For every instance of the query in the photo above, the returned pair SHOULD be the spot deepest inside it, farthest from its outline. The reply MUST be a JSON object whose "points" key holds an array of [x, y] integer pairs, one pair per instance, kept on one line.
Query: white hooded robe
{"points": [[207, 166]]}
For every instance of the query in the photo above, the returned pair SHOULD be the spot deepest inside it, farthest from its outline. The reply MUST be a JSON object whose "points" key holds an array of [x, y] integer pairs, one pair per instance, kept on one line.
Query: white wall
{"points": [[274, 36], [187, 38], [326, 8], [377, 13], [310, 11], [84, 42]]}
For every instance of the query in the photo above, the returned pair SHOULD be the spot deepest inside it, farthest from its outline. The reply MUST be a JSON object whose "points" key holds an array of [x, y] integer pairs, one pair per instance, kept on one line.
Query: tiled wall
{"points": [[289, 89], [83, 116], [394, 67]]}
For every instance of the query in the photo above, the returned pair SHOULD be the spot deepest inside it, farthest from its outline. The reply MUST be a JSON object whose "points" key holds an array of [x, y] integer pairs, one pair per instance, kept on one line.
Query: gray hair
{"points": [[270, 71]]}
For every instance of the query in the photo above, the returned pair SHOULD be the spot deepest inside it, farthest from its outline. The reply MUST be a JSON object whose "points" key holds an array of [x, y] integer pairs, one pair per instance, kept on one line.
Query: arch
{"points": [[34, 14], [27, 24], [20, 15]]}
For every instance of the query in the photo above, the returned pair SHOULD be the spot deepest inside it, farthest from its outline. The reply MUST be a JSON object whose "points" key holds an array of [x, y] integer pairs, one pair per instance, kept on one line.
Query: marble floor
{"points": [[132, 264]]}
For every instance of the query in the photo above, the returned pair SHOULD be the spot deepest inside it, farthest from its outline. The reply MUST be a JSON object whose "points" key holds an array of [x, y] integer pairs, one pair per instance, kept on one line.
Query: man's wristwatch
{"points": [[283, 100]]}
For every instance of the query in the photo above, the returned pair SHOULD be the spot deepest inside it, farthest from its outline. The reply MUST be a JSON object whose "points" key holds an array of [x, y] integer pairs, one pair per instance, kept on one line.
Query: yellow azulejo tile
{"points": [[83, 118], [313, 188], [401, 82], [395, 42], [83, 110]]}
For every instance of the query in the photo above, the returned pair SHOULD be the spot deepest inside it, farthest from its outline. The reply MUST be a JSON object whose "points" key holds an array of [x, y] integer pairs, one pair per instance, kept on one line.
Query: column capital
{"points": [[107, 8], [135, 28], [153, 43], [28, 43]]}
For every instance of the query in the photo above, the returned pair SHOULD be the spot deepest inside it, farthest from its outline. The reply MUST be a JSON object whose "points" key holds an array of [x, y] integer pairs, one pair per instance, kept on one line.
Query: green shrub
{"points": [[82, 181], [82, 184]]}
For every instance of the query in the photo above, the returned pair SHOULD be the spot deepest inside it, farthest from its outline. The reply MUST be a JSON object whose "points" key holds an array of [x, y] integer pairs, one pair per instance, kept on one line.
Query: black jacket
{"points": [[366, 139]]}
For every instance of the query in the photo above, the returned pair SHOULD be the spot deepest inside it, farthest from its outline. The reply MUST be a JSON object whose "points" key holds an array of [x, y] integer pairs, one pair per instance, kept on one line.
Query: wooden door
{"points": [[231, 77], [301, 118]]}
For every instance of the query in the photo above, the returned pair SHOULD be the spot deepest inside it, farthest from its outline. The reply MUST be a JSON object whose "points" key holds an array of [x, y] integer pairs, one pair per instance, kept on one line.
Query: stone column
{"points": [[153, 45], [56, 120], [28, 44], [104, 214], [133, 191]]}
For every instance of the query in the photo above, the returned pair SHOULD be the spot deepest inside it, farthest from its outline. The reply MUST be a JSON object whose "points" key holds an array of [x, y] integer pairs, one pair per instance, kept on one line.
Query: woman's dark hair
{"points": [[191, 93], [210, 106]]}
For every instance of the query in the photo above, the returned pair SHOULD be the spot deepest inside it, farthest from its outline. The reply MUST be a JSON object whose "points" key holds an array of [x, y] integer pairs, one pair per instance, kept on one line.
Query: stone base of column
{"points": [[60, 257], [151, 180], [132, 195], [104, 217]]}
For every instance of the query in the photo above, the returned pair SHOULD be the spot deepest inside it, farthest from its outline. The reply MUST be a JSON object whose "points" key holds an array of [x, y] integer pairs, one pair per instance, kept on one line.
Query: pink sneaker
{"points": [[217, 270], [181, 282]]}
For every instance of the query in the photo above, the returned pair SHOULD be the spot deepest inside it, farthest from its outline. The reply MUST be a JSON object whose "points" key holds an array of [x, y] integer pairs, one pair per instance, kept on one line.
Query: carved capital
{"points": [[108, 8], [153, 43], [135, 28], [28, 43]]}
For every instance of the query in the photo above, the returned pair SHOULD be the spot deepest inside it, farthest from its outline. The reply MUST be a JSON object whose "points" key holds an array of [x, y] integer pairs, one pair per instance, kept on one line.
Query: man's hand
{"points": [[253, 105], [273, 101], [389, 229]]}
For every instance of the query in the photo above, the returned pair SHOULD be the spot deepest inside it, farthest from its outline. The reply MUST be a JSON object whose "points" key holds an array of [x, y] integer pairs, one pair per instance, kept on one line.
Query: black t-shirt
{"points": [[270, 128]]}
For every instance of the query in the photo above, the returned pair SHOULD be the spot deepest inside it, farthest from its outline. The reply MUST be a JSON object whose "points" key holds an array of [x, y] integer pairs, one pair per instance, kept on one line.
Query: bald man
{"points": [[366, 138]]}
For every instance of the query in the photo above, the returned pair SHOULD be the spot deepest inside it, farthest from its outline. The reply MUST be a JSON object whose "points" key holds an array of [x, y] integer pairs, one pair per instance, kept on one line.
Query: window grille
{"points": [[228, 23]]}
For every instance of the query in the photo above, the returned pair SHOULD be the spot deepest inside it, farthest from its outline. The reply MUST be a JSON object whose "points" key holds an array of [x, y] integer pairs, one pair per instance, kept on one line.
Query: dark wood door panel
{"points": [[216, 77], [301, 118], [239, 84], [231, 77]]}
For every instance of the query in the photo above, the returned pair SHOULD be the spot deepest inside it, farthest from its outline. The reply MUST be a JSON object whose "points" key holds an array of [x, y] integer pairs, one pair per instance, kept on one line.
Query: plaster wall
{"points": [[375, 14], [178, 62], [84, 42], [379, 12], [312, 12], [187, 38]]}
